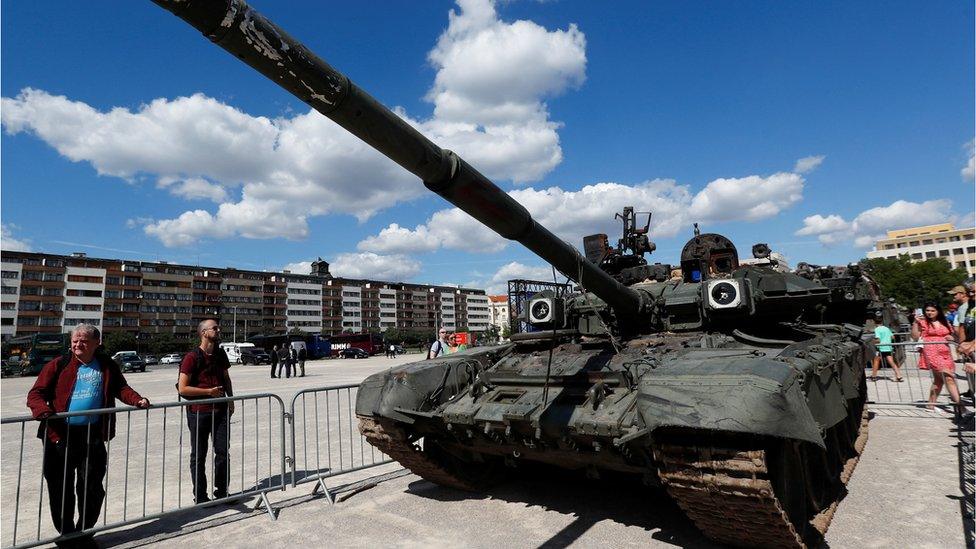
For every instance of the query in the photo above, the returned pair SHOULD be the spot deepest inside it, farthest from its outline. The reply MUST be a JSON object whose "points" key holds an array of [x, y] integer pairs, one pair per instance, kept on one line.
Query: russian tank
{"points": [[706, 380]]}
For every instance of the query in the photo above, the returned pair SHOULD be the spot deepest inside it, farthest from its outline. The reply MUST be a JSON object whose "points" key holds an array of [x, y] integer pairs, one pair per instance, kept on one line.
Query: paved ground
{"points": [[906, 492]]}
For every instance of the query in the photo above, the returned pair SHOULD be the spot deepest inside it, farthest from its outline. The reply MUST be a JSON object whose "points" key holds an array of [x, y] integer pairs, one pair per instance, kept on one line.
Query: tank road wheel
{"points": [[432, 463]]}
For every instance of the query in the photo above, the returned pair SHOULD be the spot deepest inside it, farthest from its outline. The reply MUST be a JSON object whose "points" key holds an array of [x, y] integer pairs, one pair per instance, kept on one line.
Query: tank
{"points": [[709, 380]]}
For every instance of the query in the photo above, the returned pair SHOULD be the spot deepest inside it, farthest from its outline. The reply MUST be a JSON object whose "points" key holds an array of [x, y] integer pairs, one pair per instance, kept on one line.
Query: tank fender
{"points": [[422, 385], [754, 396]]}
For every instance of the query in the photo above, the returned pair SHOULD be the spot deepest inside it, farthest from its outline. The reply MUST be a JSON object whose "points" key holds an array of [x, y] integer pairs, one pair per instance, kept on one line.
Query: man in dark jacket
{"points": [[284, 357], [274, 361], [302, 355], [74, 447]]}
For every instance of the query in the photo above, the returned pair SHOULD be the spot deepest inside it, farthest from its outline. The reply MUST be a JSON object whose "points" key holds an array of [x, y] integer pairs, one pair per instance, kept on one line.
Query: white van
{"points": [[233, 350]]}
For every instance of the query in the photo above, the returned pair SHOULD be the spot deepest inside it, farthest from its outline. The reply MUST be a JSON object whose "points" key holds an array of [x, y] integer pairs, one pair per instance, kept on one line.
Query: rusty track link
{"points": [[393, 441], [728, 493]]}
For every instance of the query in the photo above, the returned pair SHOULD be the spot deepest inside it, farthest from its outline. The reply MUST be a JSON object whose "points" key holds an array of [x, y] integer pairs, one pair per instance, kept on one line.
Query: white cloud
{"points": [[492, 78], [747, 198], [571, 215], [9, 242], [808, 163], [374, 266], [193, 187], [871, 225], [968, 172], [299, 267], [497, 283], [829, 230]]}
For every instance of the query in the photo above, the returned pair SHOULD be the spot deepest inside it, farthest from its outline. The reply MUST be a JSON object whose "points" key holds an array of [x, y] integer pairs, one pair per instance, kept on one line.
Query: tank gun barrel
{"points": [[236, 27]]}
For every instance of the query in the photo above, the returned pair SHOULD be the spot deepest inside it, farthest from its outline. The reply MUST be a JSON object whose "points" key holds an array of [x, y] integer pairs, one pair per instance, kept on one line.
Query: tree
{"points": [[506, 330], [119, 341], [491, 334], [912, 284], [167, 342]]}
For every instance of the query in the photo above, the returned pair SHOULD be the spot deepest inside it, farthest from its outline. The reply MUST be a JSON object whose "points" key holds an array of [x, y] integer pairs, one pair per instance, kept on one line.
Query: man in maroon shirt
{"points": [[203, 374], [74, 448]]}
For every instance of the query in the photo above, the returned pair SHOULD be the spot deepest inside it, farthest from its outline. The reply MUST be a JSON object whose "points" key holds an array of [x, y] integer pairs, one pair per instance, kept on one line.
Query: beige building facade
{"points": [[942, 241]]}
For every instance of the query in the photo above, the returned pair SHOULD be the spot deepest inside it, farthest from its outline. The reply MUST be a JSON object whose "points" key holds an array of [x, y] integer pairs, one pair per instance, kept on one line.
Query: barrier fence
{"points": [[147, 472], [914, 390], [143, 473], [325, 438]]}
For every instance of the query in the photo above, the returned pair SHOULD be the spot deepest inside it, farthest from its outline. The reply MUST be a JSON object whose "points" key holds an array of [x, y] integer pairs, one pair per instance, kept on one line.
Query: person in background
{"points": [[274, 361], [935, 332], [302, 355], [204, 373], [283, 364], [883, 337], [964, 324], [440, 345], [74, 458]]}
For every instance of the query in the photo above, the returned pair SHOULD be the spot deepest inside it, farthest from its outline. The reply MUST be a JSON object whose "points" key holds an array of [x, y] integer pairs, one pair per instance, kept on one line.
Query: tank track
{"points": [[392, 440], [728, 493]]}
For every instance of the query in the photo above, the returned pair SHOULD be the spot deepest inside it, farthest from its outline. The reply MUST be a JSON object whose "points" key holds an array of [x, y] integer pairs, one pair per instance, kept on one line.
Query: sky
{"points": [[812, 126]]}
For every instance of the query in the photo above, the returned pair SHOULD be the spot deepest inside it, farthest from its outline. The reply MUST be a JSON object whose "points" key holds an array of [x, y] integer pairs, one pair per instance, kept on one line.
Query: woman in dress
{"points": [[932, 327]]}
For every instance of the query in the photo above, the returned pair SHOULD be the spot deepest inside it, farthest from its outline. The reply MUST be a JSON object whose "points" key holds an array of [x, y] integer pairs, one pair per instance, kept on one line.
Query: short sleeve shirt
{"points": [[211, 373], [88, 394], [884, 335], [961, 314], [437, 348]]}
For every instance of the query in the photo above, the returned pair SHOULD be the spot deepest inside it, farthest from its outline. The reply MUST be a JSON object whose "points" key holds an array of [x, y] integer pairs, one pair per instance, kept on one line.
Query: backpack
{"points": [[193, 377], [433, 354]]}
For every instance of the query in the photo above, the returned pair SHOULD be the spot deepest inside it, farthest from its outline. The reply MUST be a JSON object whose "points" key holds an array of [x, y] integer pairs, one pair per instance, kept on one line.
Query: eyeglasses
{"points": [[214, 328]]}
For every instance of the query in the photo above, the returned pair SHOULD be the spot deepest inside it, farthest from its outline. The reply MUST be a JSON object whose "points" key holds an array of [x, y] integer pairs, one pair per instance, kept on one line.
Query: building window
{"points": [[926, 241], [943, 253], [929, 255], [916, 256], [9, 274]]}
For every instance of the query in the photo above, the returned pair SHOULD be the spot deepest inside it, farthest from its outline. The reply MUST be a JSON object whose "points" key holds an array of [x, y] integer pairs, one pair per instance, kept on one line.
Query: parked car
{"points": [[254, 355], [172, 358], [150, 360], [129, 361], [353, 352]]}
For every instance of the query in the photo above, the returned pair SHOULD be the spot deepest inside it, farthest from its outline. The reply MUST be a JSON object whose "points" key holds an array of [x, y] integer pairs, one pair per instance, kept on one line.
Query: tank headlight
{"points": [[724, 294]]}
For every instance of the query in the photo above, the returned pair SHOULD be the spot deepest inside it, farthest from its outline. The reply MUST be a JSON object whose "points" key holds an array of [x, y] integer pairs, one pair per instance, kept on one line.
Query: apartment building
{"points": [[53, 293], [499, 312], [943, 241]]}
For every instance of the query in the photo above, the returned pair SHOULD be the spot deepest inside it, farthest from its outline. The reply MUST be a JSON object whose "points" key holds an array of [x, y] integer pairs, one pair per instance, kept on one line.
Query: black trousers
{"points": [[274, 367], [301, 364], [74, 470], [286, 365], [205, 427]]}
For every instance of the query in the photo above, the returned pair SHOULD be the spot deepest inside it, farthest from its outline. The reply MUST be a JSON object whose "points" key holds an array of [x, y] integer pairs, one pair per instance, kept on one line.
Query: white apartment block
{"points": [[352, 309], [943, 241], [304, 306], [448, 311], [84, 297], [10, 275], [388, 307], [479, 315]]}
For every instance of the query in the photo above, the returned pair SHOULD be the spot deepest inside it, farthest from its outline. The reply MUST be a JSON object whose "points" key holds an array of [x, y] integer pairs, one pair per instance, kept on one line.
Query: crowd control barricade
{"points": [[914, 390], [325, 439], [147, 474]]}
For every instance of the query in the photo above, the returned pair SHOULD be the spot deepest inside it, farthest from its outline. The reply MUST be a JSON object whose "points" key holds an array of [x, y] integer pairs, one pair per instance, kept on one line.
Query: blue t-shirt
{"points": [[884, 335], [87, 394]]}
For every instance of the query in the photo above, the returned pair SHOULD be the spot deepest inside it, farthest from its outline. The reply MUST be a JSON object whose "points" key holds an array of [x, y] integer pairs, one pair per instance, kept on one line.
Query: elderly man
{"points": [[204, 374], [74, 447]]}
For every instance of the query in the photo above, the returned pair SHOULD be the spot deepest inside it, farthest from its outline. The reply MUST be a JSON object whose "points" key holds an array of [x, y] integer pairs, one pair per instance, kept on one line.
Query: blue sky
{"points": [[812, 126]]}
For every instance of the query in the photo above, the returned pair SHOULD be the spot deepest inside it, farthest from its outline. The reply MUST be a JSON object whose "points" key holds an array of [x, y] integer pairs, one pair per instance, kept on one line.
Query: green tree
{"points": [[912, 284], [490, 335], [119, 341], [506, 330]]}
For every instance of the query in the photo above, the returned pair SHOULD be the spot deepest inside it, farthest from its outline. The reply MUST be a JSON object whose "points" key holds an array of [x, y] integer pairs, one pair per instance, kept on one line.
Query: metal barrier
{"points": [[334, 446], [914, 390], [147, 470]]}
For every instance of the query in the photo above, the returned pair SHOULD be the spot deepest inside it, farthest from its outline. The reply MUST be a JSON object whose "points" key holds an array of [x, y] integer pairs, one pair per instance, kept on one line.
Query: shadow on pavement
{"points": [[618, 498]]}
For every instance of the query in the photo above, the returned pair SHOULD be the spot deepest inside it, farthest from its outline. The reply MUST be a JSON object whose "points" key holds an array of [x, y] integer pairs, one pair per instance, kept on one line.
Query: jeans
{"points": [[215, 426], [75, 467]]}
